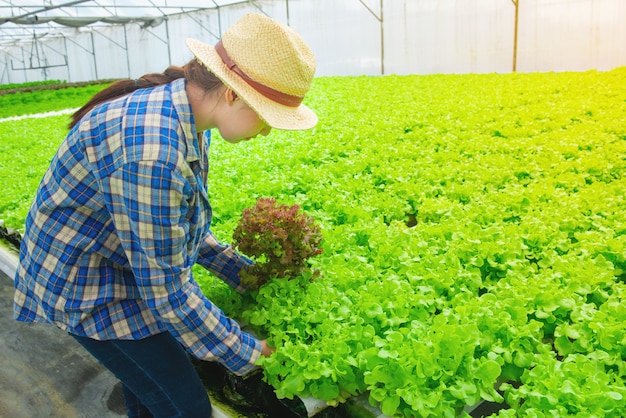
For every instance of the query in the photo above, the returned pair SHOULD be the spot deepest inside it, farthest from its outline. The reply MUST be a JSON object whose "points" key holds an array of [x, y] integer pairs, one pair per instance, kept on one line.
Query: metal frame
{"points": [[516, 28], [382, 32], [23, 30], [35, 33], [14, 15]]}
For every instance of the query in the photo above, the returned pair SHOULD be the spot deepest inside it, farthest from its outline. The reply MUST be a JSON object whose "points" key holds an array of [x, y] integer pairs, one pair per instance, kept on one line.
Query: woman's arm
{"points": [[148, 204], [223, 261]]}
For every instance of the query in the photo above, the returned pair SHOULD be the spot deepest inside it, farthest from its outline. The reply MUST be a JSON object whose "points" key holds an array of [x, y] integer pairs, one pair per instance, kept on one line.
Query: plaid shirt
{"points": [[119, 219]]}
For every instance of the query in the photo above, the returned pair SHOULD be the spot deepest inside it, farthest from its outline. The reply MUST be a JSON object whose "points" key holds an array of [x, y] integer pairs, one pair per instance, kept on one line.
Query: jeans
{"points": [[158, 377]]}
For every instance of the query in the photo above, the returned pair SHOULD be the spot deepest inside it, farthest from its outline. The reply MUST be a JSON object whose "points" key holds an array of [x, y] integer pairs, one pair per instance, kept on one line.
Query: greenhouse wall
{"points": [[354, 37]]}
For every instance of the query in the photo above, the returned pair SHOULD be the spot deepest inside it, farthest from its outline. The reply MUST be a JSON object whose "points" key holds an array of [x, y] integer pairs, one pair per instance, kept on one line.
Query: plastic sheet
{"points": [[349, 37]]}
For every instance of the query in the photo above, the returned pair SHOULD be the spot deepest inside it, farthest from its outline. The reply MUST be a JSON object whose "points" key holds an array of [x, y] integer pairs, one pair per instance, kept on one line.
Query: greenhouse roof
{"points": [[28, 20]]}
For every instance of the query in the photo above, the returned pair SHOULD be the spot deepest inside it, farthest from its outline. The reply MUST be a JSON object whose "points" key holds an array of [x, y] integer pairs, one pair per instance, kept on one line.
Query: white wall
{"points": [[347, 37], [572, 35], [433, 36]]}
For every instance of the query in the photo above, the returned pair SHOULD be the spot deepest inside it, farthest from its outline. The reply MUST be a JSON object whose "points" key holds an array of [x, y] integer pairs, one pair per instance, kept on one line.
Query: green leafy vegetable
{"points": [[474, 240]]}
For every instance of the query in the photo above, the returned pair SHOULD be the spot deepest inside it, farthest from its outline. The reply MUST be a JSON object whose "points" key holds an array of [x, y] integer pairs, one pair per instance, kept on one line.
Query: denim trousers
{"points": [[157, 376]]}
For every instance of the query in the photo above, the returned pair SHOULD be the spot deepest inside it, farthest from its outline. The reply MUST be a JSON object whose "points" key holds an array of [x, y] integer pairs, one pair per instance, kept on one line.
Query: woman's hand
{"points": [[266, 350]]}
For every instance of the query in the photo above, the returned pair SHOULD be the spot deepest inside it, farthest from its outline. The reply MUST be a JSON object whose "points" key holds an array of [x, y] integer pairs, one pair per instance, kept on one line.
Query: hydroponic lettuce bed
{"points": [[474, 240]]}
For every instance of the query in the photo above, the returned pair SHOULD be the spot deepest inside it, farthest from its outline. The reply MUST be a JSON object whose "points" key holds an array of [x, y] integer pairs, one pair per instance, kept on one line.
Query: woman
{"points": [[122, 215]]}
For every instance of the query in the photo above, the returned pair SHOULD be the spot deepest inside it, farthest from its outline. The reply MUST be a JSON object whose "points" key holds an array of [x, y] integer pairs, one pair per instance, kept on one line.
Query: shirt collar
{"points": [[182, 106]]}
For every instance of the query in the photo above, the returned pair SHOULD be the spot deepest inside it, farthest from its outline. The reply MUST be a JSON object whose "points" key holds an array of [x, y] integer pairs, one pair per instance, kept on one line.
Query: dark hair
{"points": [[193, 71]]}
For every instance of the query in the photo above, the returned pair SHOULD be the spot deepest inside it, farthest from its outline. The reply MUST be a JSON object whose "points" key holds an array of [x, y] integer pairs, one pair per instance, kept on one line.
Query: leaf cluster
{"points": [[12, 86], [279, 238], [46, 100]]}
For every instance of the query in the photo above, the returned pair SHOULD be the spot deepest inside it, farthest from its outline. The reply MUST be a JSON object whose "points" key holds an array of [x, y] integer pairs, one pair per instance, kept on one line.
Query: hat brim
{"points": [[276, 115]]}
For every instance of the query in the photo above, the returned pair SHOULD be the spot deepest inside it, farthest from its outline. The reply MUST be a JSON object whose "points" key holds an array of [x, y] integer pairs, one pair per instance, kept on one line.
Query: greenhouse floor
{"points": [[44, 372]]}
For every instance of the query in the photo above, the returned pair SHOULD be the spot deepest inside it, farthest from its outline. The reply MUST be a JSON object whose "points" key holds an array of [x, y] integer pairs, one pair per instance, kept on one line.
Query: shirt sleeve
{"points": [[223, 261], [148, 202]]}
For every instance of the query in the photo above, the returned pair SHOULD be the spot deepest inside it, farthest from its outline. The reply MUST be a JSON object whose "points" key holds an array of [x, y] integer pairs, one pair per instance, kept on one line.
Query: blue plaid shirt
{"points": [[119, 219]]}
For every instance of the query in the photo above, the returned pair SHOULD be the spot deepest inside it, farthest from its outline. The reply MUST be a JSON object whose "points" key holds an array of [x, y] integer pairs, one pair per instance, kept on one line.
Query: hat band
{"points": [[270, 93]]}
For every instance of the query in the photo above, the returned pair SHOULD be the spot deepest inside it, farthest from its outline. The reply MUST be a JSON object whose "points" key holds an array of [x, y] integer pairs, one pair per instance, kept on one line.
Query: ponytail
{"points": [[193, 71]]}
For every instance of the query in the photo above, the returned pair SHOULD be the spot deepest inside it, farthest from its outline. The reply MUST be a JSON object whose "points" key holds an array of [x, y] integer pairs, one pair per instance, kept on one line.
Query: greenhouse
{"points": [[313, 208]]}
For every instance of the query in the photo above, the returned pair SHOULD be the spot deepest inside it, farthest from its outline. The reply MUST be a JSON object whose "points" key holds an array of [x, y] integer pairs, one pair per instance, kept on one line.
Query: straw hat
{"points": [[268, 65]]}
